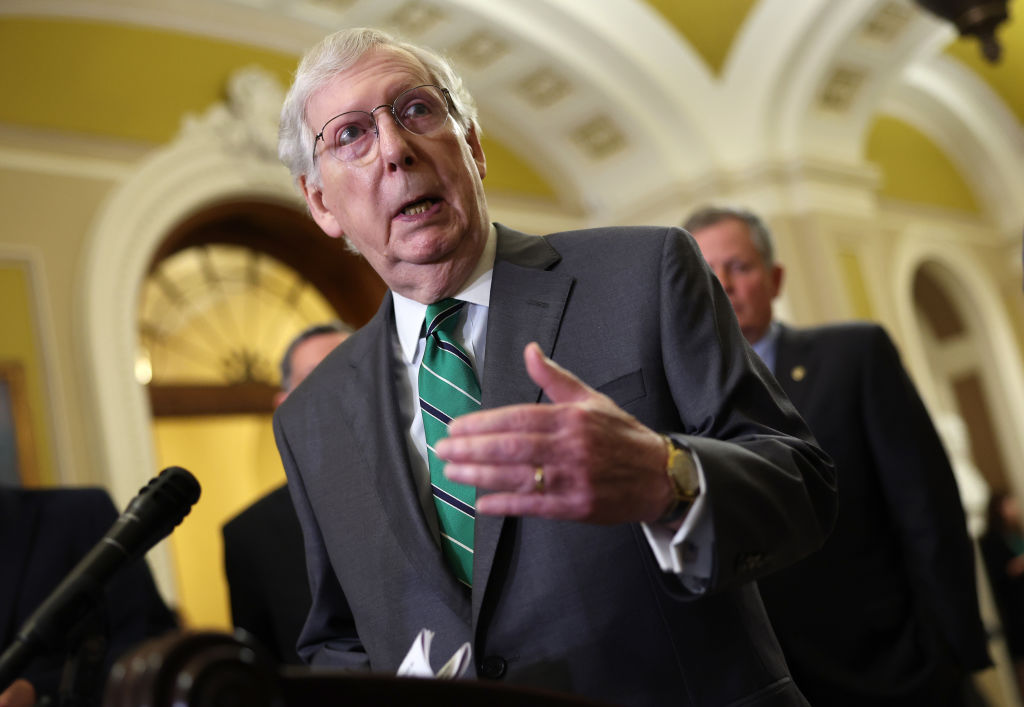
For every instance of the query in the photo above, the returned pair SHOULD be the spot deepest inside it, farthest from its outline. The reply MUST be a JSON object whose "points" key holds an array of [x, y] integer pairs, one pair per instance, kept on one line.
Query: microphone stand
{"points": [[84, 675]]}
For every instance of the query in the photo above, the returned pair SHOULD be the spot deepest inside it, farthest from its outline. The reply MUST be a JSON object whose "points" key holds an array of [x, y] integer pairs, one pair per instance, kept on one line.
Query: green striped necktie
{"points": [[448, 388]]}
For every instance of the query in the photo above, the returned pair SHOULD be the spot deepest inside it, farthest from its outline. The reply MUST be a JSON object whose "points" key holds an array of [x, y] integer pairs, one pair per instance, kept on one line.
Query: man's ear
{"points": [[473, 139], [319, 211], [778, 275]]}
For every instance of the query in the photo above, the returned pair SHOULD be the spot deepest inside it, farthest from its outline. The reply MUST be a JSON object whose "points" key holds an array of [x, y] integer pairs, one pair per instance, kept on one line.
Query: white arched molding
{"points": [[621, 61], [225, 154], [762, 66], [972, 125], [836, 55], [982, 305]]}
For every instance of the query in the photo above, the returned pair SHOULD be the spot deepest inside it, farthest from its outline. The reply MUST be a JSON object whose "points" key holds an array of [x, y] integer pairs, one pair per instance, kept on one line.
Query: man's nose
{"points": [[393, 142]]}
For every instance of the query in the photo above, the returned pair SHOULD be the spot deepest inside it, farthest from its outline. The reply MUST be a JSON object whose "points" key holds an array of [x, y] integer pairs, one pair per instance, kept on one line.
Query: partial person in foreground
{"points": [[263, 555], [618, 469], [886, 613], [44, 533]]}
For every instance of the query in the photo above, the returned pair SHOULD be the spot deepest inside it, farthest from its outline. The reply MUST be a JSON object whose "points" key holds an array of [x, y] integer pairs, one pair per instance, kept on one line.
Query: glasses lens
{"points": [[422, 109], [349, 136]]}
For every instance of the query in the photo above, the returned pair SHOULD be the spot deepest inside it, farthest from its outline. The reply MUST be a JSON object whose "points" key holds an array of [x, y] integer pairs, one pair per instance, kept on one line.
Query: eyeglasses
{"points": [[350, 136]]}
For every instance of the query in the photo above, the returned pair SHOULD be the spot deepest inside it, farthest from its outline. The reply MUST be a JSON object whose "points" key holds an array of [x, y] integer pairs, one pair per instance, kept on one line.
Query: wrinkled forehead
{"points": [[376, 78]]}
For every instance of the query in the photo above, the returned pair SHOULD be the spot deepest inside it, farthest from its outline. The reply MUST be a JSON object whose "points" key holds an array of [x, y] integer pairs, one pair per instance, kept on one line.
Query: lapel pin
{"points": [[798, 373]]}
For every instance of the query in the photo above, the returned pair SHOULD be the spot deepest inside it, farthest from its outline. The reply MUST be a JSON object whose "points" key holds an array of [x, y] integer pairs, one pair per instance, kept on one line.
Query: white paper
{"points": [[417, 661]]}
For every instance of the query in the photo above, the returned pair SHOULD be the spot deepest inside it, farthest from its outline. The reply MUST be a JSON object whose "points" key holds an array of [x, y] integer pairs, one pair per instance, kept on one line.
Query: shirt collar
{"points": [[409, 313], [765, 346]]}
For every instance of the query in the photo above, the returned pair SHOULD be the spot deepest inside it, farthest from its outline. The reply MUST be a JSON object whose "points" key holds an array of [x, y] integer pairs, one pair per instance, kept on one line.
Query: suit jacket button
{"points": [[492, 667]]}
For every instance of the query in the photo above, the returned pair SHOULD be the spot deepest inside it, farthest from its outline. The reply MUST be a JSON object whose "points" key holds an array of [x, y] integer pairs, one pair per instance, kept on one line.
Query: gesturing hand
{"points": [[600, 464]]}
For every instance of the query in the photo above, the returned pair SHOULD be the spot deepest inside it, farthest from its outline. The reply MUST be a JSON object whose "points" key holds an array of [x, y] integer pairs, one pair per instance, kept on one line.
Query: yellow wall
{"points": [[1007, 75], [235, 460], [709, 27], [114, 79], [856, 288], [914, 168], [50, 215], [92, 89], [18, 346]]}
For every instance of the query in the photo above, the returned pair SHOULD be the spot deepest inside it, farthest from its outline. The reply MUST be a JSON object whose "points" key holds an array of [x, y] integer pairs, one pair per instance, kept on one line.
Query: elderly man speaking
{"points": [[558, 449]]}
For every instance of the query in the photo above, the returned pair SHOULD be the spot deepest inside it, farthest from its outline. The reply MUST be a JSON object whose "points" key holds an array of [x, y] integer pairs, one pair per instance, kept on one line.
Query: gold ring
{"points": [[538, 479]]}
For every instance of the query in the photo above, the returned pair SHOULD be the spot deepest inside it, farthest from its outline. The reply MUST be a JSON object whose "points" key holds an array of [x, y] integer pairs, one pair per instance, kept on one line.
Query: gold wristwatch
{"points": [[685, 483]]}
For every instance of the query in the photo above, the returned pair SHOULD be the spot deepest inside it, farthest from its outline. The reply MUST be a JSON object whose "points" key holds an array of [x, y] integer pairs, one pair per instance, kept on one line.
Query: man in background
{"points": [[886, 613], [44, 533], [263, 555]]}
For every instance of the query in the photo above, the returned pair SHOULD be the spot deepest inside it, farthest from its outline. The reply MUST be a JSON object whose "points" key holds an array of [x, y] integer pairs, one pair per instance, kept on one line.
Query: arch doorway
{"points": [[225, 292], [962, 366]]}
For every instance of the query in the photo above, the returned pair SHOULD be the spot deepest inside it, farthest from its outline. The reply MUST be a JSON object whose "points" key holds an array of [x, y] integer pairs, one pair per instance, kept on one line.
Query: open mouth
{"points": [[418, 207]]}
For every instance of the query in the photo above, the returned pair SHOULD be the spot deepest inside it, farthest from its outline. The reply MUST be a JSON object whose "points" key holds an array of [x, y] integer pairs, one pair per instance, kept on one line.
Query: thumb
{"points": [[558, 384]]}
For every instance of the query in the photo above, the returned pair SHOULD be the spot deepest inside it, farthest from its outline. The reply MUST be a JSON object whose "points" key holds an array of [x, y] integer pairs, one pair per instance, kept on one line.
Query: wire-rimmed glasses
{"points": [[350, 136]]}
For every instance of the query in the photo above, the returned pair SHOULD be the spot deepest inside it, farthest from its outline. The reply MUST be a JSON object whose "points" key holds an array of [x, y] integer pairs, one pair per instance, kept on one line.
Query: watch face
{"points": [[683, 474]]}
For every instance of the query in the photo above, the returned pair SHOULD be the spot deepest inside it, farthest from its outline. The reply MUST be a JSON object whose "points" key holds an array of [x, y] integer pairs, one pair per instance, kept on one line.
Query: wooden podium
{"points": [[212, 669]]}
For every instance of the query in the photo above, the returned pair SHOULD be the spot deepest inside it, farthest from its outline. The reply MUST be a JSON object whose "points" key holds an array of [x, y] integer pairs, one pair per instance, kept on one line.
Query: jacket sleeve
{"points": [[770, 488], [329, 636]]}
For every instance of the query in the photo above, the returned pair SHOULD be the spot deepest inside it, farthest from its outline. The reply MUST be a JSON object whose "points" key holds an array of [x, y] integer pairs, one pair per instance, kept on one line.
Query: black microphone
{"points": [[150, 517]]}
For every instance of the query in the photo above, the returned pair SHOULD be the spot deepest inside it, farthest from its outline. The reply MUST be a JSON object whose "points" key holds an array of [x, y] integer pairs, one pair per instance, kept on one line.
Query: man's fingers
{"points": [[525, 417], [560, 385], [514, 478], [482, 448]]}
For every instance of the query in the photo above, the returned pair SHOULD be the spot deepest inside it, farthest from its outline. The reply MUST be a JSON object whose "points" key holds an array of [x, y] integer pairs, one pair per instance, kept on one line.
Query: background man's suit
{"points": [[266, 571], [888, 608], [43, 535], [563, 605]]}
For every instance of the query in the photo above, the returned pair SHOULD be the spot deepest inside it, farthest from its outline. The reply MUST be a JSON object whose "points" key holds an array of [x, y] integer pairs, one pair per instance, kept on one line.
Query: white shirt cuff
{"points": [[687, 552]]}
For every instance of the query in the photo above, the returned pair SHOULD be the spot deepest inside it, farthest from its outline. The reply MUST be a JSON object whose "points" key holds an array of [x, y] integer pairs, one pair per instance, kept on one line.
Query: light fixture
{"points": [[979, 18]]}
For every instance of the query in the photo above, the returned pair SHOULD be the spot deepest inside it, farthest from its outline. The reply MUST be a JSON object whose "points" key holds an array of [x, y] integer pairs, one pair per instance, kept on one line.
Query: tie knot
{"points": [[443, 315]]}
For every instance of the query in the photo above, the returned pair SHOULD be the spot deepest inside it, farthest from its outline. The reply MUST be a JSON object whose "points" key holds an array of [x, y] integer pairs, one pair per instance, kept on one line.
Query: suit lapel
{"points": [[527, 304], [380, 435], [792, 366]]}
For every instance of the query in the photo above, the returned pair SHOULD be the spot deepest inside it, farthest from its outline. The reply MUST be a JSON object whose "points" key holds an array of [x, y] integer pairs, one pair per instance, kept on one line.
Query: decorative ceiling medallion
{"points": [[414, 18], [247, 122], [479, 50], [888, 23], [599, 137], [841, 88], [543, 87]]}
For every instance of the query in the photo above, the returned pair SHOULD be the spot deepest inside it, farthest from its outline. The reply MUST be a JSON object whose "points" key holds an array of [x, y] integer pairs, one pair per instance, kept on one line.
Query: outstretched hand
{"points": [[600, 464]]}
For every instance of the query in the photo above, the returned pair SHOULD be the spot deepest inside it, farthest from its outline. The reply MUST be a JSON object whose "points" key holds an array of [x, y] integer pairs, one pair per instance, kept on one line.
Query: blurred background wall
{"points": [[155, 259]]}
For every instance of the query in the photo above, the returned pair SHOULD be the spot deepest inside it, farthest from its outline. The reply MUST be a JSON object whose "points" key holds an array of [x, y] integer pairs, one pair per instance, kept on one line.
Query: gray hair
{"points": [[336, 53], [760, 235], [335, 326]]}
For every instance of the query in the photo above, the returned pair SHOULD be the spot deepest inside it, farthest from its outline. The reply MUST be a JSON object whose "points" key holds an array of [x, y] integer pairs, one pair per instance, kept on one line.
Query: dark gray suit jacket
{"points": [[887, 612], [567, 606]]}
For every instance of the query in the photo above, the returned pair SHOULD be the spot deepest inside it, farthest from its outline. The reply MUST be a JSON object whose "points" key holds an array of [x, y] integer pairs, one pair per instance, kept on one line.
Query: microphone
{"points": [[151, 516]]}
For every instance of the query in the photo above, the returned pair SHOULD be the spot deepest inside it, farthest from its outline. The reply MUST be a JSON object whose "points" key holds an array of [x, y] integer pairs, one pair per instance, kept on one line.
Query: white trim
{"points": [[46, 335], [198, 169], [26, 160], [973, 126], [922, 243]]}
